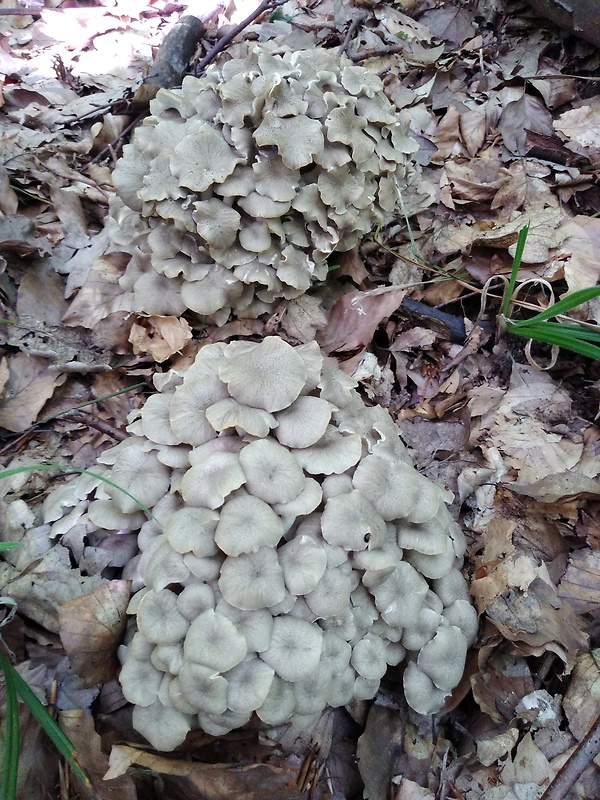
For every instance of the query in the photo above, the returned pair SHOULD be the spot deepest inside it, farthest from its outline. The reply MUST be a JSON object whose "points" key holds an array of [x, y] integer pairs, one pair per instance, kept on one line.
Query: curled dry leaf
{"points": [[91, 628], [160, 337]]}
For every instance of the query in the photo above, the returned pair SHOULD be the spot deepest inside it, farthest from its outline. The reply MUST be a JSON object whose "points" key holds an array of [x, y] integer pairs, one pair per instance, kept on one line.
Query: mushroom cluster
{"points": [[293, 551], [241, 183]]}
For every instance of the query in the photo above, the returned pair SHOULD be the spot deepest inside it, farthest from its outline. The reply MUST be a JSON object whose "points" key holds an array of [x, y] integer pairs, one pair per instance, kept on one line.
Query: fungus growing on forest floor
{"points": [[277, 159], [274, 563]]}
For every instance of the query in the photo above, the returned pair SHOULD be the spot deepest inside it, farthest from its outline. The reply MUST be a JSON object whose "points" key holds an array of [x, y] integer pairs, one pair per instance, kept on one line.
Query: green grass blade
{"points": [[40, 712], [10, 766], [541, 333], [8, 546], [516, 265], [578, 331], [7, 473], [90, 403], [564, 305]]}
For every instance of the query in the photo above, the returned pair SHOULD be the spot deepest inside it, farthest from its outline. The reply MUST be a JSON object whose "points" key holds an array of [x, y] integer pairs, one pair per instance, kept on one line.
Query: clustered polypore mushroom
{"points": [[241, 183], [293, 554]]}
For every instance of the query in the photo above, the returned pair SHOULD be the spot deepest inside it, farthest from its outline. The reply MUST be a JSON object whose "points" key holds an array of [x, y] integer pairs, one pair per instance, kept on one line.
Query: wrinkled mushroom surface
{"points": [[247, 595], [240, 184]]}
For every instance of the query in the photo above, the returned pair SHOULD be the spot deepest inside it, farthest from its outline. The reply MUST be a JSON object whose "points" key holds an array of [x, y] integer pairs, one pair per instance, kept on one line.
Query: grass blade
{"points": [[7, 473], [41, 714], [564, 305], [8, 546], [516, 265], [542, 333], [10, 766]]}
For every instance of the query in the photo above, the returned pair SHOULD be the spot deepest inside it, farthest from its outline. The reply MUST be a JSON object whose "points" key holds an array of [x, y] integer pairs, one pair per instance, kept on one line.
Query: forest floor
{"points": [[506, 111]]}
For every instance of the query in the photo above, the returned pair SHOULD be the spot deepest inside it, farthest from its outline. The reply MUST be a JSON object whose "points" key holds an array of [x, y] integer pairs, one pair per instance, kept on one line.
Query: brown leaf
{"points": [[79, 727], [355, 317], [101, 293], [582, 699], [540, 620], [91, 629], [522, 115], [31, 382], [560, 487], [580, 584], [214, 781], [161, 337]]}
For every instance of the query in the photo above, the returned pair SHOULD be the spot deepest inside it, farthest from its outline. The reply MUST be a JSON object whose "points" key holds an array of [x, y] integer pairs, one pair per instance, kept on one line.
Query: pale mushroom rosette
{"points": [[240, 184], [293, 554]]}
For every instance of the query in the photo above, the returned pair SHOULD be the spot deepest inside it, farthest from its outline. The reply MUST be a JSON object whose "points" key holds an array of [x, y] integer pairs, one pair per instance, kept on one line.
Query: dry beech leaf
{"points": [[91, 629], [522, 115], [79, 727], [500, 684]]}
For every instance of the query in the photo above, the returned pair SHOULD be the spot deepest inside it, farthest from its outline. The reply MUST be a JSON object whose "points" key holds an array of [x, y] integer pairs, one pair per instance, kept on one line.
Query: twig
{"points": [[19, 12], [83, 418], [377, 52], [570, 772], [350, 33], [110, 147], [266, 5]]}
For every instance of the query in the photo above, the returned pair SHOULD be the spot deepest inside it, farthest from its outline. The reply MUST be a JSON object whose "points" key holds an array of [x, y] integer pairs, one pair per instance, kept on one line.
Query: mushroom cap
{"points": [[247, 524], [304, 422], [272, 473], [303, 563], [420, 692], [158, 618], [270, 375], [391, 487], [278, 704], [163, 726], [295, 648], [228, 413], [332, 593], [399, 599], [333, 453], [252, 580], [368, 657], [462, 615], [202, 158], [191, 530], [443, 658], [203, 688], [214, 641], [351, 521], [137, 475], [209, 482], [194, 599], [248, 685], [256, 626]]}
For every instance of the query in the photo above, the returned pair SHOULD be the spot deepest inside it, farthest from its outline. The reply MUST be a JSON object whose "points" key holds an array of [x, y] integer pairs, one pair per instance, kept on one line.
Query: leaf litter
{"points": [[505, 110]]}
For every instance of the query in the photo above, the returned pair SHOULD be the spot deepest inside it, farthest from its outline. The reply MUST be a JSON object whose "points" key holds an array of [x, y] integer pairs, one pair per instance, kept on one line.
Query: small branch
{"points": [[351, 32], [83, 418], [266, 5], [19, 12], [377, 52], [583, 755]]}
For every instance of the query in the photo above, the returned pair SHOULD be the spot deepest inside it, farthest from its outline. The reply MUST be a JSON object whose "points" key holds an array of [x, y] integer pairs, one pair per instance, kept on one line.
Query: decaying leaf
{"points": [[91, 629], [31, 382], [160, 337]]}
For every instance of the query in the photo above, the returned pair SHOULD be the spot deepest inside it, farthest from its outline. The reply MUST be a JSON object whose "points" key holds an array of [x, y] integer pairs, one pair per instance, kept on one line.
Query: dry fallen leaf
{"points": [[79, 727], [160, 337], [31, 383], [91, 629]]}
